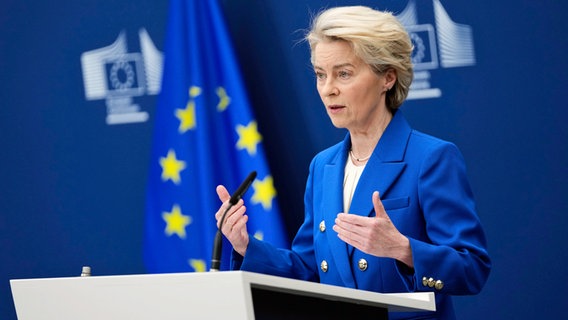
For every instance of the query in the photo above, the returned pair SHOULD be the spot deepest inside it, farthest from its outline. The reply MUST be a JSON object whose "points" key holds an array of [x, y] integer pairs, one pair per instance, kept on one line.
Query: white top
{"points": [[352, 175]]}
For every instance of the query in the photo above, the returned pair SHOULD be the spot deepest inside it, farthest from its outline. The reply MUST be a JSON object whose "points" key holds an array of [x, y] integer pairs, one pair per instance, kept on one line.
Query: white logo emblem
{"points": [[454, 47], [113, 74]]}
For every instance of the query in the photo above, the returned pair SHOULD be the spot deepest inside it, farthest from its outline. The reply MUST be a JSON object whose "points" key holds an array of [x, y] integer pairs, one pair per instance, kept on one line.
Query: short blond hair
{"points": [[377, 38]]}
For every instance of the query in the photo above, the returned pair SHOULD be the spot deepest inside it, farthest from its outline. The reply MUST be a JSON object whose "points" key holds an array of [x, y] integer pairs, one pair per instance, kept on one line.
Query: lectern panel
{"points": [[274, 305]]}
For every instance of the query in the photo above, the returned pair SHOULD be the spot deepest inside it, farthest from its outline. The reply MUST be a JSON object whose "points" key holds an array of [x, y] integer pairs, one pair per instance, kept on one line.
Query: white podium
{"points": [[212, 295]]}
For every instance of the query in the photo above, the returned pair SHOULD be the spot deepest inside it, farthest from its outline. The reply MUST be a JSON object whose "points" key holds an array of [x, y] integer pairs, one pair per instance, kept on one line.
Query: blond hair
{"points": [[377, 38]]}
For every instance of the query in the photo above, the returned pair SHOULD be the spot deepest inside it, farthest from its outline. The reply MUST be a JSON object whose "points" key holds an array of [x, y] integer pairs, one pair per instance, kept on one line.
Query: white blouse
{"points": [[352, 175]]}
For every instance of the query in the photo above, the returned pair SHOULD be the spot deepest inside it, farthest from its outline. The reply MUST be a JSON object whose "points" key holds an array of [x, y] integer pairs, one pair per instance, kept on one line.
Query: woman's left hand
{"points": [[374, 235]]}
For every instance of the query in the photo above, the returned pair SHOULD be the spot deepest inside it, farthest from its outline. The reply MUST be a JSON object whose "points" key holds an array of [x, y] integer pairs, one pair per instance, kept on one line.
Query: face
{"points": [[353, 94]]}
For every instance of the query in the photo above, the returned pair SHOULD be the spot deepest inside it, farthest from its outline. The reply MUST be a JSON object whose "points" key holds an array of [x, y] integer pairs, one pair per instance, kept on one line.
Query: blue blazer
{"points": [[426, 193]]}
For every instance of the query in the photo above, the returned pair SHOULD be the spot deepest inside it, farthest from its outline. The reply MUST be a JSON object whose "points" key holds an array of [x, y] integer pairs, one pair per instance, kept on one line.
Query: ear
{"points": [[390, 78]]}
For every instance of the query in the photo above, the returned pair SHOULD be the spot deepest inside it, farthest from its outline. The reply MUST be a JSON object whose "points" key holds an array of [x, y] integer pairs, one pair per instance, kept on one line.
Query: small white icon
{"points": [[453, 48], [113, 74]]}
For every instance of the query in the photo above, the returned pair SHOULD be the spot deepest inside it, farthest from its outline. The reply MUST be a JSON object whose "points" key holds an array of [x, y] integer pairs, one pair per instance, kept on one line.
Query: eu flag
{"points": [[204, 135]]}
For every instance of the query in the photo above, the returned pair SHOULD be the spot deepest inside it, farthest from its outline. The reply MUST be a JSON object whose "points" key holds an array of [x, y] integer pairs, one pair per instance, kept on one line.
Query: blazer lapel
{"points": [[383, 168], [331, 206]]}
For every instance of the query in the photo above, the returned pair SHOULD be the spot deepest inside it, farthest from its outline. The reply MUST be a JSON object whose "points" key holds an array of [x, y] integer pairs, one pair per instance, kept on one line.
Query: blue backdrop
{"points": [[74, 157]]}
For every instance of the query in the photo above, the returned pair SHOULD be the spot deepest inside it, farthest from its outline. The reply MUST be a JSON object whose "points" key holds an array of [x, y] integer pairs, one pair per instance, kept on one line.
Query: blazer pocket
{"points": [[396, 203]]}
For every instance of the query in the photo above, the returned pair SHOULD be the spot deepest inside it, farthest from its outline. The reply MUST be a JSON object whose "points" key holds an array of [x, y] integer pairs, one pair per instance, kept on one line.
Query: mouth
{"points": [[335, 107]]}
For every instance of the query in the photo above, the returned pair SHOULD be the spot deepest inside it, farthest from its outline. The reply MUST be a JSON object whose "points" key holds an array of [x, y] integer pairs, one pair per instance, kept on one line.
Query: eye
{"points": [[320, 76], [344, 74]]}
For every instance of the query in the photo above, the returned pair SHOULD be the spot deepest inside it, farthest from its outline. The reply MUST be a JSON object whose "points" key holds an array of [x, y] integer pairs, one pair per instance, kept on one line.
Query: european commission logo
{"points": [[447, 45], [117, 76]]}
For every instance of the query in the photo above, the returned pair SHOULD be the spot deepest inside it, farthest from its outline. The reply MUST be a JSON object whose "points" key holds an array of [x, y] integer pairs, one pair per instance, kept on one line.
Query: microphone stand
{"points": [[218, 244]]}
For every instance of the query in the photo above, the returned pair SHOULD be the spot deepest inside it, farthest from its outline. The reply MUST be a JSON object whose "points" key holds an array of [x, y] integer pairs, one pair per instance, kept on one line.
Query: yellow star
{"points": [[248, 137], [194, 91], [198, 265], [224, 99], [264, 192], [176, 222], [171, 167], [186, 117]]}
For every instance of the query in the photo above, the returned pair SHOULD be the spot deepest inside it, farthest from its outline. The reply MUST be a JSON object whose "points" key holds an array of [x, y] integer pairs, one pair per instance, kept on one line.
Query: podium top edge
{"points": [[394, 301]]}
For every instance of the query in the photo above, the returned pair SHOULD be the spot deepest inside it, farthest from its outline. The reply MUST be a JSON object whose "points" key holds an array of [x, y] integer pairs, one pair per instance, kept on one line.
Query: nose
{"points": [[328, 88]]}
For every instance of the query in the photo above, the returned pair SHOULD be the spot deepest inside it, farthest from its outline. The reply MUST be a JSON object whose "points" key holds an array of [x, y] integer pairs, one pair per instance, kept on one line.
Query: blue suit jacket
{"points": [[425, 191]]}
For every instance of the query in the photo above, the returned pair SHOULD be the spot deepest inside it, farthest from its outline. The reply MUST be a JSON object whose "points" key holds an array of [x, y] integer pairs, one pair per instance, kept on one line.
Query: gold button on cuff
{"points": [[424, 281], [322, 226], [439, 285], [323, 266], [431, 282], [362, 264]]}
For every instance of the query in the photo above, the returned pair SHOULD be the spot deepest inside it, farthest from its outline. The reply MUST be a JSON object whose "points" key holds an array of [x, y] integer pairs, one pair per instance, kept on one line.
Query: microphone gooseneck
{"points": [[218, 243]]}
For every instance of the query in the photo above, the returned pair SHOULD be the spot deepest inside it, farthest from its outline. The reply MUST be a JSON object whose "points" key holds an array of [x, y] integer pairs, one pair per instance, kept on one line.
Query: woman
{"points": [[388, 209]]}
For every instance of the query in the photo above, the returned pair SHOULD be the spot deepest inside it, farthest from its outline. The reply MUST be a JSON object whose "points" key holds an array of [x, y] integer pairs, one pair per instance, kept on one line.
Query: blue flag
{"points": [[204, 135]]}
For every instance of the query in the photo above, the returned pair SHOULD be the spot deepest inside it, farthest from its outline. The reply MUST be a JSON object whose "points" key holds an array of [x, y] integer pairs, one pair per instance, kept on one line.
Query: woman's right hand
{"points": [[235, 223]]}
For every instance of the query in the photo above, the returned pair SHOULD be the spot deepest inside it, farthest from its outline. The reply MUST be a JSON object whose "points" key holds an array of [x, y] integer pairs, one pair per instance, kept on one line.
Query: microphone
{"points": [[237, 195], [218, 243]]}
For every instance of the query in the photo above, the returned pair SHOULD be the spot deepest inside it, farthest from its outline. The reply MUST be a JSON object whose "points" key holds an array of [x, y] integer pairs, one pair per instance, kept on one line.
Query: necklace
{"points": [[358, 159], [387, 115]]}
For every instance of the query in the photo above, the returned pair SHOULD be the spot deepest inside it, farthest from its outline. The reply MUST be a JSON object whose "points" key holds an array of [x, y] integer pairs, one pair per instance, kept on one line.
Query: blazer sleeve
{"points": [[297, 263], [454, 252]]}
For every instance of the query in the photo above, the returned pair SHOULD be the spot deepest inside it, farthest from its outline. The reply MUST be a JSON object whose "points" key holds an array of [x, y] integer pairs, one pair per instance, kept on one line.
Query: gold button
{"points": [[323, 266], [362, 264], [322, 226], [424, 281], [439, 285], [431, 282]]}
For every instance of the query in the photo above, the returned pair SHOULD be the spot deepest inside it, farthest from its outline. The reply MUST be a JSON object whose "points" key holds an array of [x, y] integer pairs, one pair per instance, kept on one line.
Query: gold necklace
{"points": [[367, 158], [359, 159]]}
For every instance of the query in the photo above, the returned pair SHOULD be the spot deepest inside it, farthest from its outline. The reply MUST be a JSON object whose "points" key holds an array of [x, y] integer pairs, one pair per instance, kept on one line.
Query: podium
{"points": [[212, 295]]}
